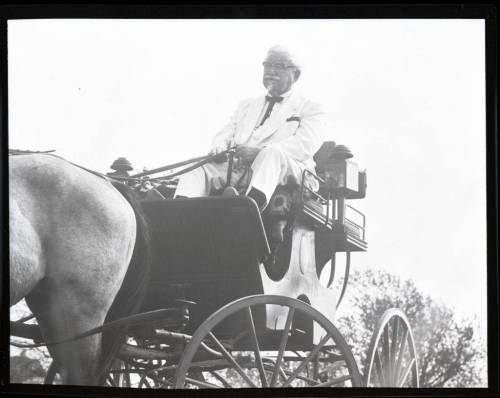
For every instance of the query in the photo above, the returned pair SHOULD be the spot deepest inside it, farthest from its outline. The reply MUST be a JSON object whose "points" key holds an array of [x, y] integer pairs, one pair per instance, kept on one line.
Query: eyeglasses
{"points": [[278, 66]]}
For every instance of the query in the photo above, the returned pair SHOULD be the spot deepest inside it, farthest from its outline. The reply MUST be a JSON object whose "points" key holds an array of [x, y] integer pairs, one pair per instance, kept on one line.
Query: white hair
{"points": [[281, 50]]}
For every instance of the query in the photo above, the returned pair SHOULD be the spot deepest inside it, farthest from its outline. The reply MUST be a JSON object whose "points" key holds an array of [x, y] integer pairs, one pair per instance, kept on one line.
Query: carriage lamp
{"points": [[341, 174], [342, 177]]}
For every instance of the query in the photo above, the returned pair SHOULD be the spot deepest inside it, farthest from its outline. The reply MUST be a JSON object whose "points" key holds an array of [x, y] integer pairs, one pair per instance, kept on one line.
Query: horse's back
{"points": [[40, 178]]}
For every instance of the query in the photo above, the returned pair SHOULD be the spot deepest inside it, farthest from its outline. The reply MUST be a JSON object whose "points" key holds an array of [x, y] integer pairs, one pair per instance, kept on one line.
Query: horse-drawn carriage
{"points": [[223, 310]]}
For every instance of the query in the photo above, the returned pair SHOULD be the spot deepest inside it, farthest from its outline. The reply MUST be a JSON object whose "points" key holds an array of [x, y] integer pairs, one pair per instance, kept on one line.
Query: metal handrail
{"points": [[328, 222], [304, 188], [322, 200], [363, 226]]}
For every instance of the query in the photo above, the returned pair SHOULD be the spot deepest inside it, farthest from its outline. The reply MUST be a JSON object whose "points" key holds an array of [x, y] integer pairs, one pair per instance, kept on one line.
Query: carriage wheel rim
{"points": [[204, 331], [382, 324]]}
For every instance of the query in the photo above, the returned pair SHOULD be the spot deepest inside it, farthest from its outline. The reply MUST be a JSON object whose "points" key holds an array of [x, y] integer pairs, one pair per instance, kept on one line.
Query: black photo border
{"points": [[285, 11]]}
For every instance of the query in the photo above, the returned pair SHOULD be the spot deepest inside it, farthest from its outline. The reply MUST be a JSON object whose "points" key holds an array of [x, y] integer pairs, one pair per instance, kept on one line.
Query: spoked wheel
{"points": [[139, 375], [139, 372], [257, 356], [392, 358], [119, 375]]}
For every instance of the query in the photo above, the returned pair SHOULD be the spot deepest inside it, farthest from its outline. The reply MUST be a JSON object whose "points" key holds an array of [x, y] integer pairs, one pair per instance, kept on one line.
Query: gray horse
{"points": [[79, 255]]}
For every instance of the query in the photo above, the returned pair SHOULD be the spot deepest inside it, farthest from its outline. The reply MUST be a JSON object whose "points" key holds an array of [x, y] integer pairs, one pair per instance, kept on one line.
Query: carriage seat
{"points": [[284, 196], [287, 197]]}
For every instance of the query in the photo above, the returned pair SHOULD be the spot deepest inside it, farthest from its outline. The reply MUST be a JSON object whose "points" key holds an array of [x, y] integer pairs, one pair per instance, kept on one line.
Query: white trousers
{"points": [[270, 168]]}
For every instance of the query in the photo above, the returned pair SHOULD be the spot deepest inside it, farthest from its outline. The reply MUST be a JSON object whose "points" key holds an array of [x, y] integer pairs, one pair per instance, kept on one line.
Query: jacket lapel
{"points": [[277, 119], [250, 119]]}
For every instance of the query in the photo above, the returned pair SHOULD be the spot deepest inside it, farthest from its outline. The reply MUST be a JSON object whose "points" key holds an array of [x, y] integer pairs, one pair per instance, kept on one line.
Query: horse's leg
{"points": [[62, 314], [51, 306], [81, 284]]}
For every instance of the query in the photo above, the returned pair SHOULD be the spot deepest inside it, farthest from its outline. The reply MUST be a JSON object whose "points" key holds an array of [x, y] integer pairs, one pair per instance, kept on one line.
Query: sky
{"points": [[406, 96]]}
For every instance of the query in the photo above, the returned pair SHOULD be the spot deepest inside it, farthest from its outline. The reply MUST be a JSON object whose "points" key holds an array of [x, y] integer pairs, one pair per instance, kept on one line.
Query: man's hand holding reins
{"points": [[246, 153], [218, 150]]}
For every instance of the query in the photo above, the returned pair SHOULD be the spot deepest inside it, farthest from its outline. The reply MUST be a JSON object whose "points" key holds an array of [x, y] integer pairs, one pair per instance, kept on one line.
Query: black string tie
{"points": [[272, 101]]}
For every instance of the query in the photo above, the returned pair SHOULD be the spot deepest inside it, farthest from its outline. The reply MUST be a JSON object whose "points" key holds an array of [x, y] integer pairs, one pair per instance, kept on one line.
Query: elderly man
{"points": [[275, 135]]}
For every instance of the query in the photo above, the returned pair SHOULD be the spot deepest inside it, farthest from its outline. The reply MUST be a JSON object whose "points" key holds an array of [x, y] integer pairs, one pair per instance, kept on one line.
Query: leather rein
{"points": [[198, 162]]}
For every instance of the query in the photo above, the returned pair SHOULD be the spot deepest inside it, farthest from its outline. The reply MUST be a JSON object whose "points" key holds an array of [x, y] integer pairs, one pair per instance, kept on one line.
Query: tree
{"points": [[27, 365], [450, 353], [24, 369]]}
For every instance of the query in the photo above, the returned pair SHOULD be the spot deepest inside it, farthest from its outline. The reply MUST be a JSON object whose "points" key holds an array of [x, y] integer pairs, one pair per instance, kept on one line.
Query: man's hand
{"points": [[216, 151], [247, 153]]}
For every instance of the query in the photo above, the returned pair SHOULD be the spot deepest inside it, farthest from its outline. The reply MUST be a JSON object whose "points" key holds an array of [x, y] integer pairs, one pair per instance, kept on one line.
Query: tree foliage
{"points": [[450, 353], [27, 365], [25, 369]]}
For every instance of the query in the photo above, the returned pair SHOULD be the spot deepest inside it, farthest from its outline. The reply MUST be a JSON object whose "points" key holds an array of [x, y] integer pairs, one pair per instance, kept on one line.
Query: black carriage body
{"points": [[211, 251], [205, 250]]}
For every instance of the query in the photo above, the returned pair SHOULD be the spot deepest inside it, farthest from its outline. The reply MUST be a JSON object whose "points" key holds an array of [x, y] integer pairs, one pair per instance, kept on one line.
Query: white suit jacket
{"points": [[296, 128]]}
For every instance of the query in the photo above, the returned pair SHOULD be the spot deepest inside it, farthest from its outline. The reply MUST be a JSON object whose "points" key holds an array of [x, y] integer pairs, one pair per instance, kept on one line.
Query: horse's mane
{"points": [[129, 299]]}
